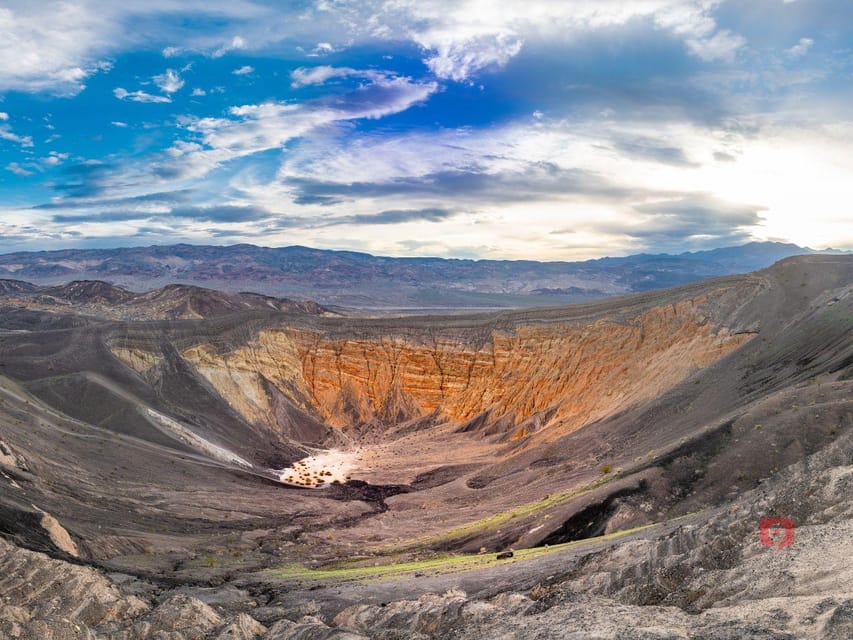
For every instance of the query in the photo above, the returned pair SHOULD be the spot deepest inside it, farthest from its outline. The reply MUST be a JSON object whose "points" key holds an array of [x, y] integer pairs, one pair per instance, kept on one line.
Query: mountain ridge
{"points": [[364, 281], [171, 302]]}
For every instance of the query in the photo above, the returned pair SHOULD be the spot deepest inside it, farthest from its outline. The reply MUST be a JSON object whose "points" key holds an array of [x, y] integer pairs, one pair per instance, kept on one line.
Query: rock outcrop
{"points": [[54, 600], [45, 598]]}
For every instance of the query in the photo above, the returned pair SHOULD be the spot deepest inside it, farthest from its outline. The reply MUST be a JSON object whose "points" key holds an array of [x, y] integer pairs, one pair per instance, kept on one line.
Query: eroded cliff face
{"points": [[565, 373], [137, 359]]}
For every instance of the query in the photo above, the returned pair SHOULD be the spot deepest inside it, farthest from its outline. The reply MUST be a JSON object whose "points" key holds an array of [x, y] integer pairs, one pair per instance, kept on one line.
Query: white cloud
{"points": [[4, 115], [244, 70], [55, 45], [169, 81], [236, 43], [6, 133], [260, 127], [198, 92], [463, 37], [307, 76], [48, 46], [801, 48], [182, 148], [304, 76], [554, 218], [457, 60], [322, 49], [723, 45], [119, 124], [138, 96], [55, 158], [18, 170], [375, 173]]}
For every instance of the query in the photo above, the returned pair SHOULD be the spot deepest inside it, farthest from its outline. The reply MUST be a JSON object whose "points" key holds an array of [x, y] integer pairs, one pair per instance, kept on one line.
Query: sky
{"points": [[550, 130]]}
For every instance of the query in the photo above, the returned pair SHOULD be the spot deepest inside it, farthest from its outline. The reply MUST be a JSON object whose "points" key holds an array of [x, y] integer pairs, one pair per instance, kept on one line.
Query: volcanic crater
{"points": [[204, 438]]}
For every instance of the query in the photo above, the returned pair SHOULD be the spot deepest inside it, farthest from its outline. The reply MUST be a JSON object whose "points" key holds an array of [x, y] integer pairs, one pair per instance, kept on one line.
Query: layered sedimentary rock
{"points": [[568, 373], [137, 359]]}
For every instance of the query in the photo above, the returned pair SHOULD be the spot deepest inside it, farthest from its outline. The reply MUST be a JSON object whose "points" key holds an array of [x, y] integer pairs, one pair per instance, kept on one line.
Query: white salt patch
{"points": [[321, 469]]}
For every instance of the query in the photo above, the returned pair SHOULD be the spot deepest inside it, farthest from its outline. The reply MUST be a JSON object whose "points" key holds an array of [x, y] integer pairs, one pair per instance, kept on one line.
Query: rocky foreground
{"points": [[707, 579]]}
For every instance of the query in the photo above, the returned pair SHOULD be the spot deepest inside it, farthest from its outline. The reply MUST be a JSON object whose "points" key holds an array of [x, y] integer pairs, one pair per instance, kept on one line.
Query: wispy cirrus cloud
{"points": [[18, 170], [7, 134], [306, 76], [801, 48], [255, 128], [722, 45], [139, 96], [90, 200], [136, 209], [214, 213], [526, 183]]}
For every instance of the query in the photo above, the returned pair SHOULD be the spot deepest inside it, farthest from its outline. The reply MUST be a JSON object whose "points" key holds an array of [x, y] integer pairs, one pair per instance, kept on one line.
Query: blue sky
{"points": [[466, 128]]}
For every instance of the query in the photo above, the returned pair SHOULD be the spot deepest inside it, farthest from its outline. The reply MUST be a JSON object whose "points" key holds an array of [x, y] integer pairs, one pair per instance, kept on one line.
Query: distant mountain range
{"points": [[363, 281]]}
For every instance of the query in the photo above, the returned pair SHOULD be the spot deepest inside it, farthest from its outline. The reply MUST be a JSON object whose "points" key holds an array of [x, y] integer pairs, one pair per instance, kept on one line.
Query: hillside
{"points": [[172, 302]]}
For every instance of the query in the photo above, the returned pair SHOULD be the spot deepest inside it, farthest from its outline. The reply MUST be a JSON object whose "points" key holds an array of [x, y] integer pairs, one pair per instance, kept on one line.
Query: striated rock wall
{"points": [[577, 371]]}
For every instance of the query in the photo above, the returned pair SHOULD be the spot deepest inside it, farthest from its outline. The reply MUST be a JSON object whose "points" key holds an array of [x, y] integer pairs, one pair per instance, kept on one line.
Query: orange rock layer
{"points": [[578, 372]]}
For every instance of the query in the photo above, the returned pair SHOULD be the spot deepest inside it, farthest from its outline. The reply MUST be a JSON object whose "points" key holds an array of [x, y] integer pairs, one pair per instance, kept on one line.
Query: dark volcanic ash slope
{"points": [[146, 447]]}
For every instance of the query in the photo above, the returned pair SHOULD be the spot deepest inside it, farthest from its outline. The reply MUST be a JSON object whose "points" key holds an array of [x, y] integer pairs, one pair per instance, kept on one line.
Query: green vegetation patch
{"points": [[346, 571]]}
